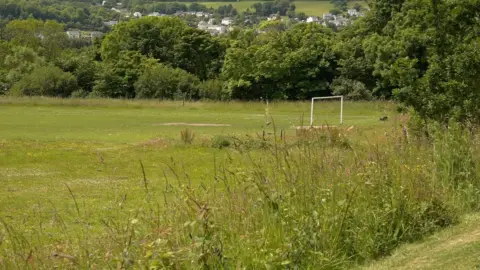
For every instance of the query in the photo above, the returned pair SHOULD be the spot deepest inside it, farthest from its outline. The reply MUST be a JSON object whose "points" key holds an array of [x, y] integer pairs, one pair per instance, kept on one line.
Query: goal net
{"points": [[329, 98]]}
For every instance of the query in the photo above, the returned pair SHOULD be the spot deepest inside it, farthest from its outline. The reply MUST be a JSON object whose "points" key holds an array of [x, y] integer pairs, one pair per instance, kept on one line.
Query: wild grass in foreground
{"points": [[321, 201]]}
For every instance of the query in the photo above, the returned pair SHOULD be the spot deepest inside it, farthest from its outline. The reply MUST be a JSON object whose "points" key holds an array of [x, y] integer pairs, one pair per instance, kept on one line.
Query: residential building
{"points": [[353, 12], [211, 28], [273, 17], [110, 23], [227, 21], [312, 19], [328, 17], [73, 34]]}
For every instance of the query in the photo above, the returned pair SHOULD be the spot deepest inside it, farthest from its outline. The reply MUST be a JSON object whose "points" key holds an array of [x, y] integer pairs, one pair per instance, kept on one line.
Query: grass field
{"points": [[96, 145], [311, 8], [455, 248], [111, 184]]}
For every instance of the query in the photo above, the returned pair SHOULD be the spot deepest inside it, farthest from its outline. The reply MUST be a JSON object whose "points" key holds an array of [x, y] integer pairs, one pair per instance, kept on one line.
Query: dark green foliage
{"points": [[117, 77], [214, 89], [294, 64], [75, 14], [170, 41], [423, 53], [162, 82], [221, 142], [46, 81]]}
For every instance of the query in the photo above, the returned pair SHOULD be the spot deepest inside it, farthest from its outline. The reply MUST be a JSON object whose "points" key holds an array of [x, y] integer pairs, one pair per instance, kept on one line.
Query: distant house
{"points": [[353, 12], [312, 19], [273, 17], [137, 14], [211, 28], [154, 14], [227, 21], [328, 17], [110, 23], [211, 21], [73, 34], [340, 21], [203, 14], [94, 35]]}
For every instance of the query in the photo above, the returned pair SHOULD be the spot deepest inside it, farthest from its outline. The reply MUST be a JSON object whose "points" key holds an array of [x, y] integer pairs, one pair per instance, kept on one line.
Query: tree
{"points": [[20, 62], [46, 38], [162, 82], [116, 78], [301, 16], [335, 11], [170, 41], [46, 81], [294, 64]]}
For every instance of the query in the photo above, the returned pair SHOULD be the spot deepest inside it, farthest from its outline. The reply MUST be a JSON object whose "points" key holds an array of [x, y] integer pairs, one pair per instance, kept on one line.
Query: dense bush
{"points": [[46, 81], [214, 90], [162, 82]]}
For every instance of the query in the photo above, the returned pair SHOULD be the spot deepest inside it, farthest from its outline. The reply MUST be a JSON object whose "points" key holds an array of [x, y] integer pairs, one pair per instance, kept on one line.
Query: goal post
{"points": [[331, 97]]}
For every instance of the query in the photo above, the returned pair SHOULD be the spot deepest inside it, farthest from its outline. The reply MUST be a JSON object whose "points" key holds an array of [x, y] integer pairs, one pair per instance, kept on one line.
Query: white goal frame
{"points": [[331, 97]]}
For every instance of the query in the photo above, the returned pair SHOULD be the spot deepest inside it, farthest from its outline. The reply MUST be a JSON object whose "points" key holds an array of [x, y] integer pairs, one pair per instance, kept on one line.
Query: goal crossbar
{"points": [[331, 97]]}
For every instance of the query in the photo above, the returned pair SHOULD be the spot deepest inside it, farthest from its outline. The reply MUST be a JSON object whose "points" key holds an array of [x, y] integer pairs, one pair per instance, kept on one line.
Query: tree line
{"points": [[418, 52]]}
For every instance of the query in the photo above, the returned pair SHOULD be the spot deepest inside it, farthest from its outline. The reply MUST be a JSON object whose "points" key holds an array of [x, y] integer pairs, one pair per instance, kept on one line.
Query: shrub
{"points": [[221, 142], [214, 90], [46, 81], [163, 82]]}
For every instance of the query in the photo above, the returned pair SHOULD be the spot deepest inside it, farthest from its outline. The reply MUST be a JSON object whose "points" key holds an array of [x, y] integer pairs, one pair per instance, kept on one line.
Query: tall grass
{"points": [[316, 202]]}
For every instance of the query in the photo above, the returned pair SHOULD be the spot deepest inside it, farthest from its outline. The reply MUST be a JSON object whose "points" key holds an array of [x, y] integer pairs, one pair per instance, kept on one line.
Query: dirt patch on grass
{"points": [[193, 124]]}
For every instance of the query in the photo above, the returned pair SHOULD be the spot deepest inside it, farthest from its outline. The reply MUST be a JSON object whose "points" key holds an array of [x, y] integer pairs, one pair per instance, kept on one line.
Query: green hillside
{"points": [[313, 8]]}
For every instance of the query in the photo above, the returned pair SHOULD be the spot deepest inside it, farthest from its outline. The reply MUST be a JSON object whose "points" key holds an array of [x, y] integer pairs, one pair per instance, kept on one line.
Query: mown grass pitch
{"points": [[95, 145], [311, 8], [94, 148]]}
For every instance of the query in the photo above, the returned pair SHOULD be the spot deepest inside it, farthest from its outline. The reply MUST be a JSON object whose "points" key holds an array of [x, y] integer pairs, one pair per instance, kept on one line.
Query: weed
{"points": [[187, 136], [220, 142]]}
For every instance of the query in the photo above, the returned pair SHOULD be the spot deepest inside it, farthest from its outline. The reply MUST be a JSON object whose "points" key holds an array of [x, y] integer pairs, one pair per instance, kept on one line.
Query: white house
{"points": [[312, 19], [272, 17], [110, 23], [137, 14], [211, 21], [353, 13], [154, 14], [340, 21], [227, 21], [211, 28], [95, 34], [73, 34], [328, 17], [202, 14]]}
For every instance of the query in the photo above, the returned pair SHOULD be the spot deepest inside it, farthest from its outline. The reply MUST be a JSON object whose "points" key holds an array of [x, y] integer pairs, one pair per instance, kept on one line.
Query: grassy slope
{"points": [[95, 145], [312, 8], [455, 248]]}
